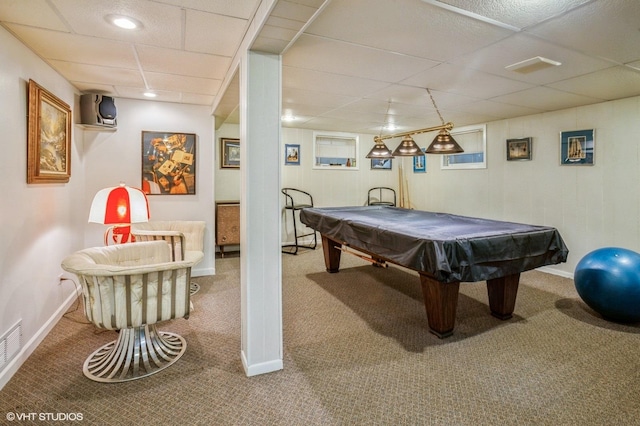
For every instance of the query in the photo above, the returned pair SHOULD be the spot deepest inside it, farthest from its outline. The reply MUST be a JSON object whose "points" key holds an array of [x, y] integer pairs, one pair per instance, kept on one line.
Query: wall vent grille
{"points": [[10, 344]]}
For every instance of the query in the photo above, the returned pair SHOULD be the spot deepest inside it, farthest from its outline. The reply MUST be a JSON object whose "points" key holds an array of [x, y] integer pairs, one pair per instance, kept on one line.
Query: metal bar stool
{"points": [[385, 196], [296, 200]]}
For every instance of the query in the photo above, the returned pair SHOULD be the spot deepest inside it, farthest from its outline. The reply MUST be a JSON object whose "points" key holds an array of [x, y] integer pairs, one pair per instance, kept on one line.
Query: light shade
{"points": [[119, 205], [379, 150], [444, 143], [408, 148]]}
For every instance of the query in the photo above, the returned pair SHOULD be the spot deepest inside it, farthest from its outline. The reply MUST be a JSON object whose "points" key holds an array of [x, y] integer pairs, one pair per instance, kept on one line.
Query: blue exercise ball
{"points": [[608, 280]]}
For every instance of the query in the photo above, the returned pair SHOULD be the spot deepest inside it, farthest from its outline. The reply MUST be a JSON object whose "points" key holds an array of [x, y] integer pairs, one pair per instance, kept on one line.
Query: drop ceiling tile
{"points": [[321, 54], [518, 13], [98, 74], [289, 24], [68, 47], [497, 109], [381, 106], [34, 13], [413, 28], [419, 96], [169, 61], [278, 33], [138, 93], [196, 99], [239, 8], [297, 78], [612, 83], [331, 124], [465, 81], [495, 58], [161, 24], [215, 34], [608, 29], [202, 86], [301, 96], [293, 10], [303, 109], [546, 99]]}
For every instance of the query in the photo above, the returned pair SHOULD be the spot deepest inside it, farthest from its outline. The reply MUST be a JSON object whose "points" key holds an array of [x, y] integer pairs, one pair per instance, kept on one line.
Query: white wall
{"points": [[40, 223], [112, 157]]}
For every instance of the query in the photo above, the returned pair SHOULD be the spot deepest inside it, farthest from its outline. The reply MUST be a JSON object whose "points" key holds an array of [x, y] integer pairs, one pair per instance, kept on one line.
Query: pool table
{"points": [[445, 249]]}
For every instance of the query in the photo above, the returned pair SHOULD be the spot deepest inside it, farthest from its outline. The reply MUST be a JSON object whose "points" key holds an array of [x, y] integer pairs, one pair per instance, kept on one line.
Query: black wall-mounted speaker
{"points": [[98, 110]]}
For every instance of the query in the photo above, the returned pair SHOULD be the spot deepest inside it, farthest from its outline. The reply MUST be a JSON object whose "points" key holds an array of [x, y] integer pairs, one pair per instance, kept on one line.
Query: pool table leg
{"points": [[502, 295], [441, 302], [331, 254]]}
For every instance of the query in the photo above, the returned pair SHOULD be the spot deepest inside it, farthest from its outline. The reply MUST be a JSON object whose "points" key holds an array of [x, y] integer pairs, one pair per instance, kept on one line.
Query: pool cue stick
{"points": [[400, 186], [382, 264]]}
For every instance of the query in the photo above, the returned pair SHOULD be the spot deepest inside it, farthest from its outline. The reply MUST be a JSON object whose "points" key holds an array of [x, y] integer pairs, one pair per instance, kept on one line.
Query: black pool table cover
{"points": [[445, 246]]}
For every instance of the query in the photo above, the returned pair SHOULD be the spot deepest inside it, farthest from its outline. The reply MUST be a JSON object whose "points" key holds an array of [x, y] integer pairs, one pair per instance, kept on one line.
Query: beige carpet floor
{"points": [[356, 352]]}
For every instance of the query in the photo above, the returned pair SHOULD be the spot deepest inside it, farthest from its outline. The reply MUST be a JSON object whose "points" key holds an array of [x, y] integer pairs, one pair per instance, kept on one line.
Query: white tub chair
{"points": [[130, 288], [185, 237]]}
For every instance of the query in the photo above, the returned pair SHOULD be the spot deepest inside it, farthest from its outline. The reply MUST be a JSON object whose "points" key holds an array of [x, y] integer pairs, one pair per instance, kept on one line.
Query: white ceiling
{"points": [[348, 65]]}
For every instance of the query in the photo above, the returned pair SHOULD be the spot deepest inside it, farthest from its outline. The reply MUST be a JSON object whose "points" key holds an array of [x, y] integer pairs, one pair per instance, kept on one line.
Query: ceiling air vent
{"points": [[533, 64]]}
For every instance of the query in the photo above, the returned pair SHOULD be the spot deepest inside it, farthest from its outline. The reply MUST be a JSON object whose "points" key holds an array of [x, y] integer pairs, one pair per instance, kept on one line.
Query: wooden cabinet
{"points": [[227, 224]]}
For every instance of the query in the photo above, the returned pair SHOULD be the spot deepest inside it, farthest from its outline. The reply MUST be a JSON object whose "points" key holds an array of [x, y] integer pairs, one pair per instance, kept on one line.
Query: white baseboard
{"points": [[553, 271], [7, 373], [202, 272], [261, 368]]}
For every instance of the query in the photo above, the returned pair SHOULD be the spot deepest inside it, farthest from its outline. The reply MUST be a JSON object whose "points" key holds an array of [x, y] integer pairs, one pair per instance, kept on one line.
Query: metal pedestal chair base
{"points": [[194, 287], [138, 352]]}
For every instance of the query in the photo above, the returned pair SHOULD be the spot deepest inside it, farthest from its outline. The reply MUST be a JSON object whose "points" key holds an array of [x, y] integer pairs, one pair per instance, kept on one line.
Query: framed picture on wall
{"points": [[519, 149], [48, 137], [229, 153], [168, 163], [292, 154], [420, 163], [577, 147], [381, 164]]}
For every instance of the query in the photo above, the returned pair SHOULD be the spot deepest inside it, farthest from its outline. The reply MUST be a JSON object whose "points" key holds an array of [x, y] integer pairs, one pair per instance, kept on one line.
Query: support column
{"points": [[260, 252]]}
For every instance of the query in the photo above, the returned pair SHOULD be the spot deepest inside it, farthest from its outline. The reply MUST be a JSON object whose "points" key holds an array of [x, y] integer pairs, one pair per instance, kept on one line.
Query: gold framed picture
{"points": [[48, 137]]}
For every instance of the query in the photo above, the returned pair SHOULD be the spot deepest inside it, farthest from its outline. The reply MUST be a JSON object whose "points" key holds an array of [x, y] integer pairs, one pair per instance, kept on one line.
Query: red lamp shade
{"points": [[120, 205]]}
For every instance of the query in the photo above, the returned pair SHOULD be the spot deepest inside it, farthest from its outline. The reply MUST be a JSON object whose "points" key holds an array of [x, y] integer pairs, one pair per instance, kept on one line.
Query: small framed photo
{"points": [[420, 163], [48, 137], [577, 147], [292, 154], [381, 163], [519, 149], [229, 153]]}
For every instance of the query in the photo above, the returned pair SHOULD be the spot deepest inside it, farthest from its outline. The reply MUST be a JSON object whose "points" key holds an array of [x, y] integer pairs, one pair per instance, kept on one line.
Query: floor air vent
{"points": [[10, 344]]}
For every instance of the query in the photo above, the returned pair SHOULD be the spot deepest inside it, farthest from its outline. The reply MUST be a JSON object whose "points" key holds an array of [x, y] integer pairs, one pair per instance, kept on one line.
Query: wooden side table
{"points": [[227, 224]]}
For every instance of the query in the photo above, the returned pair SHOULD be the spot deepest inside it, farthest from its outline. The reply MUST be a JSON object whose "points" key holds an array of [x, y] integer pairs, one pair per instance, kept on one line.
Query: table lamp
{"points": [[119, 207]]}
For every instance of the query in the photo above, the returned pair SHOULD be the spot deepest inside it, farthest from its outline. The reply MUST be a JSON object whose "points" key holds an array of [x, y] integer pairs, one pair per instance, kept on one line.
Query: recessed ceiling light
{"points": [[533, 64], [150, 94], [124, 22], [288, 117], [390, 126]]}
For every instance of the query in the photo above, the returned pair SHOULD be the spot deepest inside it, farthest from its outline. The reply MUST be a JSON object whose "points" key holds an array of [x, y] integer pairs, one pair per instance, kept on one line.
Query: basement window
{"points": [[473, 139], [335, 151]]}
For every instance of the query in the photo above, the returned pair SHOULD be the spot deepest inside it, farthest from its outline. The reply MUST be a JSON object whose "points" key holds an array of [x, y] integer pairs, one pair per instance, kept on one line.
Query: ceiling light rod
{"points": [[445, 126]]}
